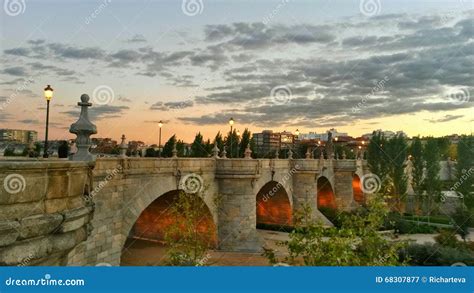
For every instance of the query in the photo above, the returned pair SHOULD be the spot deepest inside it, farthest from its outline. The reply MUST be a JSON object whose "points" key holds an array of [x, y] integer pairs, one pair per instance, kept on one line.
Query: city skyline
{"points": [[337, 65]]}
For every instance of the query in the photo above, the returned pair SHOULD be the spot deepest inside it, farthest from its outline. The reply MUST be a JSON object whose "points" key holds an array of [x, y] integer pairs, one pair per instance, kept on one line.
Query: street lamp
{"points": [[160, 124], [231, 123], [48, 95]]}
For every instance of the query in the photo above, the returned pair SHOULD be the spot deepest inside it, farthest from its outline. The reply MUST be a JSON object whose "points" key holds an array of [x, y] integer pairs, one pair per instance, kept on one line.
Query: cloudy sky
{"points": [[281, 65]]}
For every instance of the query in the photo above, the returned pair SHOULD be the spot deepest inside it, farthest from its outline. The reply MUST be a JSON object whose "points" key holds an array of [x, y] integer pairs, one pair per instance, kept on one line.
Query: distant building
{"points": [[18, 135], [268, 141], [321, 136], [385, 133]]}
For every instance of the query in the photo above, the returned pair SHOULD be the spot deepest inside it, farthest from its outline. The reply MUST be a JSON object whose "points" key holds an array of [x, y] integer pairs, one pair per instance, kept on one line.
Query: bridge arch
{"points": [[325, 193], [273, 206], [149, 203]]}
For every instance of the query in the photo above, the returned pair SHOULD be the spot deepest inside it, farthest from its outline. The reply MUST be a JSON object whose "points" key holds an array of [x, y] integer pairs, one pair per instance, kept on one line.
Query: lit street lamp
{"points": [[48, 95], [231, 123], [160, 124]]}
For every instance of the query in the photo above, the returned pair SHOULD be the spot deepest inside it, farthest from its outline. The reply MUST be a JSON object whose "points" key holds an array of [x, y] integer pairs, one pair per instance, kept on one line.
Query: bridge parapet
{"points": [[237, 168], [345, 165], [43, 209]]}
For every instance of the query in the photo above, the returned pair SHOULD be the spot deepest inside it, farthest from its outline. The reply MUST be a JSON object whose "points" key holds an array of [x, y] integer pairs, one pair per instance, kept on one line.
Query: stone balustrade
{"points": [[43, 212]]}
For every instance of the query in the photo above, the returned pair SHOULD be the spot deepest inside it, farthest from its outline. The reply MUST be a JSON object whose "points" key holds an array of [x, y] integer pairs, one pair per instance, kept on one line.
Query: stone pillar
{"points": [[83, 128], [237, 205], [343, 189]]}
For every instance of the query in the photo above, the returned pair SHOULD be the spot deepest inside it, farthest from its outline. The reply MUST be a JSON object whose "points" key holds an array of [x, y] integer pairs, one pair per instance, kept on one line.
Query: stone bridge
{"points": [[59, 212]]}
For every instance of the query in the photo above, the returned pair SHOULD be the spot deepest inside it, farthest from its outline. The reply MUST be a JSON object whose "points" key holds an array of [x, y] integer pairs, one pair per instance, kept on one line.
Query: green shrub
{"points": [[429, 254], [448, 238]]}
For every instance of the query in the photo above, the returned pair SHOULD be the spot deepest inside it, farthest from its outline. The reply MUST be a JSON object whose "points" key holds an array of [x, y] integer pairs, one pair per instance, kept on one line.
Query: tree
{"points": [[63, 149], [432, 182], [198, 148], [245, 141], [397, 154], [150, 152], [168, 147], [187, 240], [219, 141], [377, 158], [9, 152], [417, 170], [232, 144], [357, 243], [465, 170]]}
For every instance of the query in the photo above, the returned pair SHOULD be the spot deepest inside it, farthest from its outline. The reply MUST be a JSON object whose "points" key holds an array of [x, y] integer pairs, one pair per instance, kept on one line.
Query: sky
{"points": [[355, 66]]}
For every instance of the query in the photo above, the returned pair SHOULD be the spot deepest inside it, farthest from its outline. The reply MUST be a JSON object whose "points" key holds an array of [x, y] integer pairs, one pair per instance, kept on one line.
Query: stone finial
{"points": [[174, 151], [224, 154], [344, 156], [321, 156], [248, 152], [277, 154], [290, 154], [308, 154], [215, 151], [83, 129], [123, 147]]}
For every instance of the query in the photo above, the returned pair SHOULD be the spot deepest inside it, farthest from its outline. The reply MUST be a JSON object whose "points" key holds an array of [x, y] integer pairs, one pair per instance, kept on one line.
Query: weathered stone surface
{"points": [[39, 225], [57, 185], [74, 219], [9, 231], [21, 210]]}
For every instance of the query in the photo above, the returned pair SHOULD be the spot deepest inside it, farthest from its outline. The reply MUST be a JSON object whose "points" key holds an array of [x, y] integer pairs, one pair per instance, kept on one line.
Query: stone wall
{"points": [[43, 214]]}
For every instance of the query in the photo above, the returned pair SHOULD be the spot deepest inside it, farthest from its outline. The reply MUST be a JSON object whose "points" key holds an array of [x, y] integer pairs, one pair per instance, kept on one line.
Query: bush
{"points": [[435, 255], [448, 238], [396, 222]]}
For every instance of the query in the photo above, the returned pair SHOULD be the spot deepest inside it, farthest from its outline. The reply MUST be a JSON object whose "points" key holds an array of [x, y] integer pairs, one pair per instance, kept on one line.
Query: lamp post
{"points": [[231, 123], [48, 95], [160, 124]]}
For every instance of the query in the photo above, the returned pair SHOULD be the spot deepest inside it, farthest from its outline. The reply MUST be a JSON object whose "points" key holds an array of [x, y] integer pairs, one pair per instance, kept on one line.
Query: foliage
{"points": [[418, 163], [188, 242], [462, 218], [448, 238], [245, 140], [465, 169], [432, 182], [150, 152], [377, 159], [168, 147], [356, 243], [219, 141], [396, 150], [401, 225], [9, 152], [430, 254], [63, 149], [198, 147], [232, 144]]}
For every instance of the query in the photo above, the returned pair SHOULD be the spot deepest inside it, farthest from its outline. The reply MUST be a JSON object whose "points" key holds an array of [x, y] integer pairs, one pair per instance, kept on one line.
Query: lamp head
{"points": [[48, 93]]}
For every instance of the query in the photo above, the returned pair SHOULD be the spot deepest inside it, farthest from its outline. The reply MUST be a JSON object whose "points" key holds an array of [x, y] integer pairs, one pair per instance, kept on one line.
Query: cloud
{"points": [[445, 118], [101, 112], [167, 106], [138, 38], [15, 71]]}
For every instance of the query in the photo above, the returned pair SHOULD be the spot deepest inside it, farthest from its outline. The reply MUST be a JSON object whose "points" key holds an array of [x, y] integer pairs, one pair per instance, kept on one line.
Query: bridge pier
{"points": [[236, 205]]}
